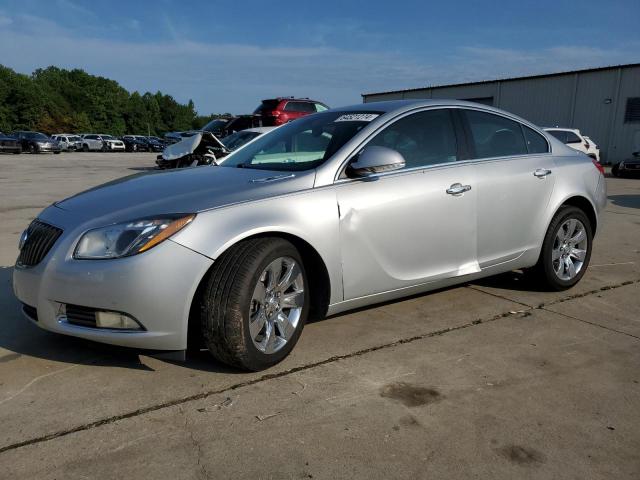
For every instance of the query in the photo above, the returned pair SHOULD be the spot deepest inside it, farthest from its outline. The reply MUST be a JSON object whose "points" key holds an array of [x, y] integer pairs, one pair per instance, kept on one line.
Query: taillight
{"points": [[598, 166], [275, 113]]}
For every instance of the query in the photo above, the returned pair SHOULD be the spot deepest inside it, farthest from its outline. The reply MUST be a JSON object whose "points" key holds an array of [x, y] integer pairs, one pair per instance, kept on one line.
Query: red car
{"points": [[277, 111]]}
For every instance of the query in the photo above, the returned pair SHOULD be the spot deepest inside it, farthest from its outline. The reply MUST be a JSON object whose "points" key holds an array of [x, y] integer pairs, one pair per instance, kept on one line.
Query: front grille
{"points": [[40, 238], [83, 316], [30, 312]]}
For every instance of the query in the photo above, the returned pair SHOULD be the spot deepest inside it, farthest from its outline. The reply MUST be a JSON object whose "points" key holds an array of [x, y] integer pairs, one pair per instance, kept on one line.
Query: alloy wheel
{"points": [[569, 249], [276, 305]]}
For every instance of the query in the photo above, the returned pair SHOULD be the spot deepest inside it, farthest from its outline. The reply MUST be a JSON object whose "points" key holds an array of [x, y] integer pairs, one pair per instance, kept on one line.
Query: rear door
{"points": [[400, 229], [514, 180]]}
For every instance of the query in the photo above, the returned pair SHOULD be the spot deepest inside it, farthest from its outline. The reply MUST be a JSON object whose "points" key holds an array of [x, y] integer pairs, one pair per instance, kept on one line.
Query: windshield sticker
{"points": [[357, 117]]}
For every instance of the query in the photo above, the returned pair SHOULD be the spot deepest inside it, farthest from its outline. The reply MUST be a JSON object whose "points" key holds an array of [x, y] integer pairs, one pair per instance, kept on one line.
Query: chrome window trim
{"points": [[340, 170]]}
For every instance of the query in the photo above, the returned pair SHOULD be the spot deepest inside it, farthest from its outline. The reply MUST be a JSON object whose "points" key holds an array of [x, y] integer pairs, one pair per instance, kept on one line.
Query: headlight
{"points": [[129, 238]]}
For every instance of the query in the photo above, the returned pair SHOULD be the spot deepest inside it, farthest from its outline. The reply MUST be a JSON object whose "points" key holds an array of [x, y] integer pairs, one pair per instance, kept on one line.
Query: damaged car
{"points": [[338, 210]]}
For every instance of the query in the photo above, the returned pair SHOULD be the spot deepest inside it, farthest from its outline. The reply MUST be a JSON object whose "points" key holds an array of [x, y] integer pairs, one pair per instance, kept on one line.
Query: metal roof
{"points": [[507, 79]]}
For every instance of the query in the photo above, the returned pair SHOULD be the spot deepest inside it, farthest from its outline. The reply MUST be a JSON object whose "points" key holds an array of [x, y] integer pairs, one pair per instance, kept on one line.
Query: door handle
{"points": [[542, 172], [458, 189]]}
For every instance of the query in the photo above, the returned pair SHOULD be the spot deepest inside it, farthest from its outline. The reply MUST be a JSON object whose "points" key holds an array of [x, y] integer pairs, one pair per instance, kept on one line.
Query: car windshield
{"points": [[107, 137], [36, 136], [74, 139], [236, 140], [303, 144], [215, 124]]}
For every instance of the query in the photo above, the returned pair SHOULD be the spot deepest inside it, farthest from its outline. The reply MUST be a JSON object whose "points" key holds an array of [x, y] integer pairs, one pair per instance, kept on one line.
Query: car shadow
{"points": [[19, 336], [516, 280], [626, 201]]}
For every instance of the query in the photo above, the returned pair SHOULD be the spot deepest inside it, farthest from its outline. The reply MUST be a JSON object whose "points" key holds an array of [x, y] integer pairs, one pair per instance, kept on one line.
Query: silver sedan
{"points": [[334, 211]]}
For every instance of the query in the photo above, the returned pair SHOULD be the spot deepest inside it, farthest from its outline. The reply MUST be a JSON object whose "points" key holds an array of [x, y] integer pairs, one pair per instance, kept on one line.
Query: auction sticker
{"points": [[357, 117]]}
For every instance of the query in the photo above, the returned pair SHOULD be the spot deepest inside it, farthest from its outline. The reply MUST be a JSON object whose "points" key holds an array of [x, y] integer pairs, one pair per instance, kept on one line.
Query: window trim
{"points": [[340, 177]]}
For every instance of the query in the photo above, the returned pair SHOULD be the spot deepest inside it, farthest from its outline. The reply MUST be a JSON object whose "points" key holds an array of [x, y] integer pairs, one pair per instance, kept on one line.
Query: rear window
{"points": [[559, 134], [300, 107], [495, 136], [267, 106]]}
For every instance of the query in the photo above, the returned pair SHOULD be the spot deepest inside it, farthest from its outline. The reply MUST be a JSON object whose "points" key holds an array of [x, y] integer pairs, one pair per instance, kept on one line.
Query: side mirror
{"points": [[374, 159]]}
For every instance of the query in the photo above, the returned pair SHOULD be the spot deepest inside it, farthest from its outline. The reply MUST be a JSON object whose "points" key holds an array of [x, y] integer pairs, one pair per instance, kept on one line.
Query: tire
{"points": [[56, 153], [228, 299], [556, 276], [32, 148], [85, 148], [615, 170]]}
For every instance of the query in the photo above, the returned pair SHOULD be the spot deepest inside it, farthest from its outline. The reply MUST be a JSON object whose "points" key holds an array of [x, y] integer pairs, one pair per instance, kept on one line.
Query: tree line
{"points": [[55, 100]]}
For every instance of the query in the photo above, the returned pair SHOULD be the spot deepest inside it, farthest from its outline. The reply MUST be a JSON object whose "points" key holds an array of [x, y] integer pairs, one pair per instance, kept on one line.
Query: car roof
{"points": [[561, 129]]}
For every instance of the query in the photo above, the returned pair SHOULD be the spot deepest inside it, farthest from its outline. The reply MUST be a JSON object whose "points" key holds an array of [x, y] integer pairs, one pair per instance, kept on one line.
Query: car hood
{"points": [[188, 190]]}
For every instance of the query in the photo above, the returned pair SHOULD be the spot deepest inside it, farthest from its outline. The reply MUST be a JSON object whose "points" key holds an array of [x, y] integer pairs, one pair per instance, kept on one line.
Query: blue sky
{"points": [[227, 55]]}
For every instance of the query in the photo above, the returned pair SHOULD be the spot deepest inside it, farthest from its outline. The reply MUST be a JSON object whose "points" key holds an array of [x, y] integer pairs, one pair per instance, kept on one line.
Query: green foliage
{"points": [[55, 100]]}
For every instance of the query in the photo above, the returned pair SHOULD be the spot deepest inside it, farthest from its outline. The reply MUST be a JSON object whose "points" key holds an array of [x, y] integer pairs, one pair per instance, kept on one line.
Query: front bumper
{"points": [[49, 148], [155, 287]]}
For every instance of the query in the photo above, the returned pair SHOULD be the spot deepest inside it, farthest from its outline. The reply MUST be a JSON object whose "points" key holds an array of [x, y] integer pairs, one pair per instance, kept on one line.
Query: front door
{"points": [[411, 226]]}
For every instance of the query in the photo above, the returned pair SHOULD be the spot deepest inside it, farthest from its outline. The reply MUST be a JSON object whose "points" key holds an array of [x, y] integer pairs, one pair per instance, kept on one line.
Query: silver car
{"points": [[334, 211]]}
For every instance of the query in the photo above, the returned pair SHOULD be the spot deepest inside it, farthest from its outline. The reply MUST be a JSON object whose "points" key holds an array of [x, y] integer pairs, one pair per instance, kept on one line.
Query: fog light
{"points": [[115, 320]]}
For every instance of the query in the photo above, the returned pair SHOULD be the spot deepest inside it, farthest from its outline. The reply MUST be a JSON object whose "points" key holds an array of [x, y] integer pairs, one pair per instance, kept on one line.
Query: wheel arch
{"points": [[319, 281], [583, 204]]}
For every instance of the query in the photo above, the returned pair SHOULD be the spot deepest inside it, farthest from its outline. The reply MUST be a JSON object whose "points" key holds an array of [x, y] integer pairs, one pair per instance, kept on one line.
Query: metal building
{"points": [[604, 103]]}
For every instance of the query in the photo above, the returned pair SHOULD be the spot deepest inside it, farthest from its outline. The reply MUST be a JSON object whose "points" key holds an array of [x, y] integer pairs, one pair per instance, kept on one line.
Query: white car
{"points": [[593, 151], [112, 143], [68, 142], [574, 139], [104, 143]]}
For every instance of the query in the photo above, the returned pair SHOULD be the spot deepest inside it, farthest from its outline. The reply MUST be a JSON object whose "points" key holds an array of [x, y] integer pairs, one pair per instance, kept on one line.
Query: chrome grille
{"points": [[40, 238]]}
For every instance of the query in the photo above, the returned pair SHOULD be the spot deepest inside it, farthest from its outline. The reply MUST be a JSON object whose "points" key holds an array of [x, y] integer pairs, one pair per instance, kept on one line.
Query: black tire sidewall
{"points": [[562, 216], [227, 300]]}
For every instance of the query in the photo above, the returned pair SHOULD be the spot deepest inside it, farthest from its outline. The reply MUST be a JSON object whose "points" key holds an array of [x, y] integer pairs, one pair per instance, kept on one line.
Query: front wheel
{"points": [[566, 250], [615, 170], [255, 303]]}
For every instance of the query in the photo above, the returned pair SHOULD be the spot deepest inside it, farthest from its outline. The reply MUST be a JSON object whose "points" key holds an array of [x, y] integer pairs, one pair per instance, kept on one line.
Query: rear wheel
{"points": [[85, 148], [33, 148], [255, 303], [615, 170], [566, 250]]}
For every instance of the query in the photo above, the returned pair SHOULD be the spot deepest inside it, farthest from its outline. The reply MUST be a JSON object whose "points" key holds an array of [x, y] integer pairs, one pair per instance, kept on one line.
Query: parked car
{"points": [[112, 144], [135, 143], [628, 168], [574, 139], [68, 142], [155, 144], [36, 142], [204, 148], [334, 211], [175, 137], [278, 111], [9, 144], [217, 126], [238, 139], [593, 150]]}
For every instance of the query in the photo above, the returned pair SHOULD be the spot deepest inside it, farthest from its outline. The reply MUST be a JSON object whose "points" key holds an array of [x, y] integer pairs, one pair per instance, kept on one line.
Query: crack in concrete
{"points": [[591, 323], [270, 376]]}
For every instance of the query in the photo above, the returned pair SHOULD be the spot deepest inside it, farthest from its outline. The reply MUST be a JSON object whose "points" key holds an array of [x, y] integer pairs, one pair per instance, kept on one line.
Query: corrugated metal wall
{"points": [[593, 101]]}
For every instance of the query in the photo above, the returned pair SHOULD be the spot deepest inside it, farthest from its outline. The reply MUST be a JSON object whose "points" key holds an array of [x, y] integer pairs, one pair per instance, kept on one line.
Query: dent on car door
{"points": [[514, 183], [409, 227]]}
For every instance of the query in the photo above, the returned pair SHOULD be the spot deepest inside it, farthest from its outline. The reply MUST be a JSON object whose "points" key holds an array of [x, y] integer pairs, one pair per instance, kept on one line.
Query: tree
{"points": [[55, 100]]}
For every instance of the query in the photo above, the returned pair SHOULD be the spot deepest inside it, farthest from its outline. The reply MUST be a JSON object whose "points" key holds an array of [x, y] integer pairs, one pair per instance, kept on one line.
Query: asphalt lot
{"points": [[490, 380]]}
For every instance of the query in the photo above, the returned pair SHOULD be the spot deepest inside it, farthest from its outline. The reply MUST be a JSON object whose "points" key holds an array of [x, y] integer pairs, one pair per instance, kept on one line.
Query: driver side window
{"points": [[423, 138]]}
